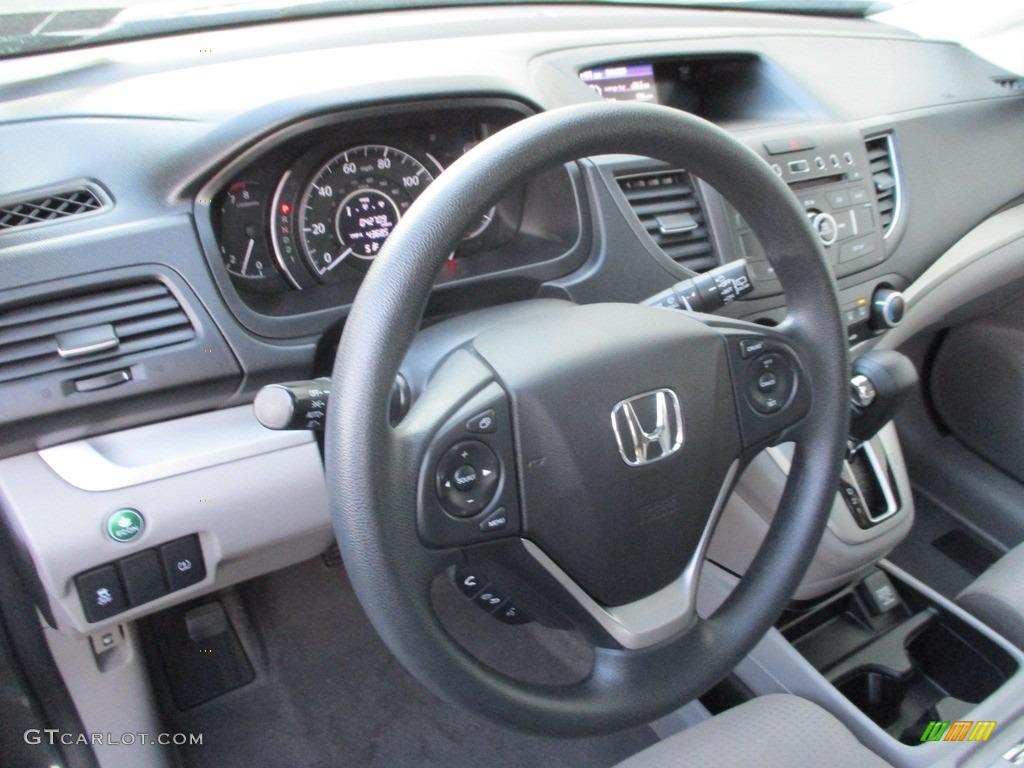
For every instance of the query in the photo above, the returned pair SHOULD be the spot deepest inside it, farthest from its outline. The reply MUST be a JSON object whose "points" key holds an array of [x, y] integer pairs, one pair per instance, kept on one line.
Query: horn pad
{"points": [[625, 428]]}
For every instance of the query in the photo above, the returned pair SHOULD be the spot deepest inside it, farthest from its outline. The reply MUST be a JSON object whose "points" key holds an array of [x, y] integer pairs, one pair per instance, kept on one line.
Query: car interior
{"points": [[501, 384]]}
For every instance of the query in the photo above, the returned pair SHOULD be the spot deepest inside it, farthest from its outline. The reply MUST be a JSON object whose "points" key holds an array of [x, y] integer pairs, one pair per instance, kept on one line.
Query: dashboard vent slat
{"points": [[668, 209], [48, 208], [885, 176], [126, 319]]}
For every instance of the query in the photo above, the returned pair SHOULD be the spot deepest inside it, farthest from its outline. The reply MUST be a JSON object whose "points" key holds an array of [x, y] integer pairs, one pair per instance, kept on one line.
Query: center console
{"points": [[917, 679]]}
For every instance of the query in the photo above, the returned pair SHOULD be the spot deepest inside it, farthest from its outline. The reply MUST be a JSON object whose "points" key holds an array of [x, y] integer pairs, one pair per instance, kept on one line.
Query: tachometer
{"points": [[242, 235], [354, 202]]}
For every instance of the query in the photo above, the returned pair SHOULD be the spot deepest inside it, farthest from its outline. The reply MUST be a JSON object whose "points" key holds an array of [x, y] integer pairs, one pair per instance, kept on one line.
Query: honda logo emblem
{"points": [[631, 417]]}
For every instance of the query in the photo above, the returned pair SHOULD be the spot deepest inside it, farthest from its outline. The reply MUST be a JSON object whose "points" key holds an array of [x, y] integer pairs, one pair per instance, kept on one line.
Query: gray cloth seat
{"points": [[997, 596], [776, 731]]}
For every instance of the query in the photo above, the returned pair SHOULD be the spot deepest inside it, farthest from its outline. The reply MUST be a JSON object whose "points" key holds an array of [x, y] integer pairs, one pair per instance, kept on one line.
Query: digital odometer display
{"points": [[354, 202], [626, 82]]}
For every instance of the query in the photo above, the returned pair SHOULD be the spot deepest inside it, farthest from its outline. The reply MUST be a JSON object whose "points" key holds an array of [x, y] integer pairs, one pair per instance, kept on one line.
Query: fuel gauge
{"points": [[243, 240]]}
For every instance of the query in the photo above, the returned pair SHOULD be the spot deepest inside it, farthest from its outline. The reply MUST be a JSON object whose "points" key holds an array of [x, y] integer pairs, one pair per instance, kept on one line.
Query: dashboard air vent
{"points": [[885, 175], [1010, 82], [44, 208], [668, 209], [58, 332]]}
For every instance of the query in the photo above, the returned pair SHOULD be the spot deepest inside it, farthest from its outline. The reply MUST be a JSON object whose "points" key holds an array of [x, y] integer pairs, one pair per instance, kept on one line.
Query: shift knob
{"points": [[881, 379]]}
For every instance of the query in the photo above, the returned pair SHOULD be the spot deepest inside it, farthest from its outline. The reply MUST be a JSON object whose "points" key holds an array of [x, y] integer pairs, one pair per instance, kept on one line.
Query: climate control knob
{"points": [[887, 308]]}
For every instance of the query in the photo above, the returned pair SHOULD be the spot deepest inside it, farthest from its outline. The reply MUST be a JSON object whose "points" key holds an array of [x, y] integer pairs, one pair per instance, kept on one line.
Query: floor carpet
{"points": [[328, 694]]}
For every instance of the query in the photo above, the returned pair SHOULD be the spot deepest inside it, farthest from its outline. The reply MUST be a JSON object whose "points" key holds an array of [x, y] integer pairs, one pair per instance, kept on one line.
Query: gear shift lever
{"points": [[881, 379]]}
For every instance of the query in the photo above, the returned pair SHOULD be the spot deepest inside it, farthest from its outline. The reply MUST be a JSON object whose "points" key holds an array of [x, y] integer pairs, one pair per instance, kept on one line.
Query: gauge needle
{"points": [[248, 255]]}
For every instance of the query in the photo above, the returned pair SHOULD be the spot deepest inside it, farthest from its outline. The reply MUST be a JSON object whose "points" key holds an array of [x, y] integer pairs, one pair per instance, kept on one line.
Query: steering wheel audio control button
{"points": [[467, 478], [483, 423]]}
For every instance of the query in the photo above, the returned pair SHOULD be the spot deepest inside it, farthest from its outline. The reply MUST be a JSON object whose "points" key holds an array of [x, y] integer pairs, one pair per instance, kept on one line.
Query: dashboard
{"points": [[184, 220]]}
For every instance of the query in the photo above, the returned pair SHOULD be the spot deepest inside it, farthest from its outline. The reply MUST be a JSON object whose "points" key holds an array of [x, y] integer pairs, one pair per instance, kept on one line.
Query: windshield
{"points": [[35, 26]]}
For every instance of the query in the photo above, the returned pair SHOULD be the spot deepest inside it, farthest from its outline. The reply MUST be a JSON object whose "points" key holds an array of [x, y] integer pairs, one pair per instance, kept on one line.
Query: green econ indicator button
{"points": [[125, 525]]}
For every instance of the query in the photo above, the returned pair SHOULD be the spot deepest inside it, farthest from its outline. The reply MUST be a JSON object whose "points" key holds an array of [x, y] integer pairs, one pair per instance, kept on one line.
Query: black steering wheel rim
{"points": [[368, 469]]}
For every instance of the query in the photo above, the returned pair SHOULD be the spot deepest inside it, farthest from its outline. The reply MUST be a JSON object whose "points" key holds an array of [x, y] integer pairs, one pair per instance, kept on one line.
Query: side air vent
{"points": [[54, 333], [668, 209], [885, 175], [1010, 82], [51, 207]]}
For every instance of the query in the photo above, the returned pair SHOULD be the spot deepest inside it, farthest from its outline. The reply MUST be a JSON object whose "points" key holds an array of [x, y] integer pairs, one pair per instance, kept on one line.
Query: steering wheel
{"points": [[588, 449]]}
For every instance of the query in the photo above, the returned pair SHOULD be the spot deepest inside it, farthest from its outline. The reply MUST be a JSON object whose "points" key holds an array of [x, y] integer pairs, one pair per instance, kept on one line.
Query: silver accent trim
{"points": [[158, 451], [275, 246], [897, 195], [660, 615], [88, 349], [862, 391], [891, 505], [667, 432]]}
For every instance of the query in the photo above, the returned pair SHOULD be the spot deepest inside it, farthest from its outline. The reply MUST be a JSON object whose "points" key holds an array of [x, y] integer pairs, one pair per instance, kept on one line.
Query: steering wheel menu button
{"points": [[496, 521]]}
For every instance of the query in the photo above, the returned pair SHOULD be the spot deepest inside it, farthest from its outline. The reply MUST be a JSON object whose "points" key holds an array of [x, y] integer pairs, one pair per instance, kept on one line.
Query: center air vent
{"points": [[885, 175], [668, 209], [58, 332], [47, 208]]}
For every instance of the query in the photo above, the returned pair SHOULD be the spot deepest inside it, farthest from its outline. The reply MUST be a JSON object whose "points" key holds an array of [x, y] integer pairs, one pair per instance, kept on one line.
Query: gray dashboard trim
{"points": [[986, 259], [158, 451]]}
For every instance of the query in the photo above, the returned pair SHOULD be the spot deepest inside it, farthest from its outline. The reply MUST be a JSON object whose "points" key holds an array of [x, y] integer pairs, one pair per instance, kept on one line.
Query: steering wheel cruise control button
{"points": [[467, 478], [767, 382], [770, 383]]}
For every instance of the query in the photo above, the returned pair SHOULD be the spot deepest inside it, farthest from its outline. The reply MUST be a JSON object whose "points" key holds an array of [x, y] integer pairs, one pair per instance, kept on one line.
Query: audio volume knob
{"points": [[825, 225], [887, 308]]}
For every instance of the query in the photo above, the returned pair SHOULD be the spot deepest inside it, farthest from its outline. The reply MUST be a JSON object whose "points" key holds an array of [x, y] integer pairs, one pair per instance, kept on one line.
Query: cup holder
{"points": [[877, 695]]}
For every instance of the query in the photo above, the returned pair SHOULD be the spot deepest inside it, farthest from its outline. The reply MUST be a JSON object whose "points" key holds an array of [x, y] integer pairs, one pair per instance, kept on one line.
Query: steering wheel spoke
{"points": [[770, 382], [458, 442]]}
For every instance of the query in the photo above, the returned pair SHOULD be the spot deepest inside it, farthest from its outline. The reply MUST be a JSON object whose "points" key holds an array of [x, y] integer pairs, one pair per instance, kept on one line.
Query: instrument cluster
{"points": [[300, 218]]}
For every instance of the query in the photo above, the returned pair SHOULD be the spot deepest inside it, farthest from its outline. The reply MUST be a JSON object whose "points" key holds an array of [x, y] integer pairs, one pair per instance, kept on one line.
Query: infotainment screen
{"points": [[626, 82]]}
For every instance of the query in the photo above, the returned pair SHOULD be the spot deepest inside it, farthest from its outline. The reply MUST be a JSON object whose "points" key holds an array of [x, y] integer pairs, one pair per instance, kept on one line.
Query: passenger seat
{"points": [[997, 596]]}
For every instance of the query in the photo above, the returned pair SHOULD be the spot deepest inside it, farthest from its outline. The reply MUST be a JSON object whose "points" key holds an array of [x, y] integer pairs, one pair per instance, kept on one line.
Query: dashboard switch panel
{"points": [[101, 593], [140, 578], [183, 562]]}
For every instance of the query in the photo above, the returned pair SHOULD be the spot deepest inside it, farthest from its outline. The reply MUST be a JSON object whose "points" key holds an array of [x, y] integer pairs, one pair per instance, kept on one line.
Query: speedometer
{"points": [[354, 202]]}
